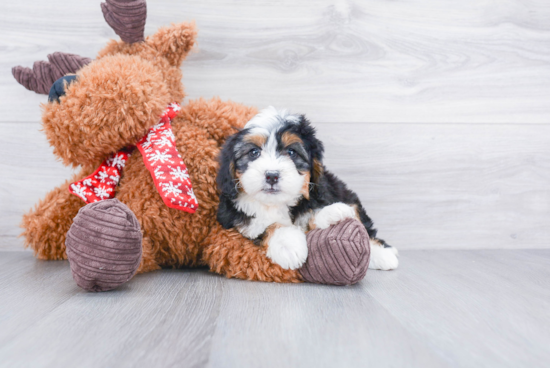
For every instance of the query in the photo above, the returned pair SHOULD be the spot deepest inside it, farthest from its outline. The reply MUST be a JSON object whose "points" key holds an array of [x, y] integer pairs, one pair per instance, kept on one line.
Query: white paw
{"points": [[333, 214], [288, 247], [383, 258]]}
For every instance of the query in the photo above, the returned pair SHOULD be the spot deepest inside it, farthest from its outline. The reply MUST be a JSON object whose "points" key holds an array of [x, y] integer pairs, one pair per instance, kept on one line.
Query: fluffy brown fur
{"points": [[114, 101]]}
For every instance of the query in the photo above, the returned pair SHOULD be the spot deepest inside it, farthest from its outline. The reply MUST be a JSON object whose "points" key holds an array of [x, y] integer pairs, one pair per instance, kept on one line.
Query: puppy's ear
{"points": [[226, 178], [315, 148], [228, 215]]}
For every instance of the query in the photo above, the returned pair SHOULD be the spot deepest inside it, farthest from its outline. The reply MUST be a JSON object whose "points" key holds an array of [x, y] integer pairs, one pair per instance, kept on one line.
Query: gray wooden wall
{"points": [[436, 112]]}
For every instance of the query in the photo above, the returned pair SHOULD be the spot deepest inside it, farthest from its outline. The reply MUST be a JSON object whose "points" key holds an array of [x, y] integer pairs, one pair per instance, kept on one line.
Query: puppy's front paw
{"points": [[287, 247], [333, 214]]}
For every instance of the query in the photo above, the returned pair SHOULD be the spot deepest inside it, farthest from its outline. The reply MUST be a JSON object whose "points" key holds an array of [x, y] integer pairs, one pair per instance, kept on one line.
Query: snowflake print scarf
{"points": [[161, 158]]}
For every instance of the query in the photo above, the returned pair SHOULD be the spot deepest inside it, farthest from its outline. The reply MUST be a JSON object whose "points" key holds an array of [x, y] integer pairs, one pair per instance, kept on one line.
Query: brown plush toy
{"points": [[110, 118]]}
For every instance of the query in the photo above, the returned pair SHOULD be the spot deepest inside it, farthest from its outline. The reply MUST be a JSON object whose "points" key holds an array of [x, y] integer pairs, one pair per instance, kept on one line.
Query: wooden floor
{"points": [[484, 308]]}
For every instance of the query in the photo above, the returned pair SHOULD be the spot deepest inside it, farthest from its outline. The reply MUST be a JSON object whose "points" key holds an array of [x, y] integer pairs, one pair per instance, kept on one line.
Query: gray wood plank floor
{"points": [[482, 308]]}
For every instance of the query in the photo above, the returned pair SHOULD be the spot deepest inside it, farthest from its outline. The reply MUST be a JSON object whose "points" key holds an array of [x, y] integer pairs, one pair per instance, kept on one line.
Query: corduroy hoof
{"points": [[104, 245], [338, 255]]}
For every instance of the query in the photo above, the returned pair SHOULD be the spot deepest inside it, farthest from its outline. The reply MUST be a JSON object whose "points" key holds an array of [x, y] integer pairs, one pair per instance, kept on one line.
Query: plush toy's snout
{"points": [[110, 104]]}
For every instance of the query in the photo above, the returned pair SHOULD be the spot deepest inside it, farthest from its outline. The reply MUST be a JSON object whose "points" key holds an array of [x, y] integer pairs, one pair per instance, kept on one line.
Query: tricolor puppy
{"points": [[274, 188]]}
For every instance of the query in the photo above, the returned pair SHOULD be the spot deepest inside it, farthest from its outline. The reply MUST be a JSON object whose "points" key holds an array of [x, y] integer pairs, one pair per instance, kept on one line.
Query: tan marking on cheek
{"points": [[238, 182], [317, 170], [290, 138], [356, 208], [268, 233], [311, 223], [305, 187], [236, 177], [258, 140]]}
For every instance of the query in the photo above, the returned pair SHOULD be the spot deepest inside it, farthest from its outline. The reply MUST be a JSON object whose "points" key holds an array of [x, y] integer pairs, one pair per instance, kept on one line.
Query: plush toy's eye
{"points": [[254, 153], [291, 152]]}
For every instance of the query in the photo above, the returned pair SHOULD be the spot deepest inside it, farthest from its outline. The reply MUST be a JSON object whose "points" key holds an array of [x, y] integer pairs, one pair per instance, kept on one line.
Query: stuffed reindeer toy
{"points": [[145, 194]]}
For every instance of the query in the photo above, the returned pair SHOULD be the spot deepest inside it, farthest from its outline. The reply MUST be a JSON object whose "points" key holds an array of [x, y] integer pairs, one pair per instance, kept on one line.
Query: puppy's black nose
{"points": [[272, 177]]}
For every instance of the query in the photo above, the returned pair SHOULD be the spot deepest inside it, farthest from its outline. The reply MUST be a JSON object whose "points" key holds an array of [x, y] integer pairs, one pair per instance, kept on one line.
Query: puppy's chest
{"points": [[261, 217]]}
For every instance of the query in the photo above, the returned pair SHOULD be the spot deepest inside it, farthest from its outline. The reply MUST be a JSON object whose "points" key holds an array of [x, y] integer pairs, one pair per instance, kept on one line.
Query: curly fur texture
{"points": [[113, 102]]}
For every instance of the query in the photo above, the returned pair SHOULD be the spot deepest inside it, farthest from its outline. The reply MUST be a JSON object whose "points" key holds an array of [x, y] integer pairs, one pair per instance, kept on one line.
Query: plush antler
{"points": [[43, 73], [126, 18]]}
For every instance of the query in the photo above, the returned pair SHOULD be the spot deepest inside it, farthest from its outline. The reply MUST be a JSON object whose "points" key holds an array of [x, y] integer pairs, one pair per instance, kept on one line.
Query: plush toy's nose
{"points": [[58, 88]]}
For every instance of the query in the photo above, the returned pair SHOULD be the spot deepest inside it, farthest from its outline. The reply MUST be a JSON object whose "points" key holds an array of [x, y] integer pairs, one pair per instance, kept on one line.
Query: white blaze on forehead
{"points": [[269, 120]]}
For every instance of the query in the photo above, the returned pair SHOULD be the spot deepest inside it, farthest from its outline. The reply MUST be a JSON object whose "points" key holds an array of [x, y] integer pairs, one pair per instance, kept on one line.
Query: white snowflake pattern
{"points": [[80, 191], [170, 188], [175, 106], [158, 173], [148, 141], [179, 174], [102, 192], [168, 134], [102, 175], [160, 156], [117, 160], [115, 178], [191, 194], [163, 142], [87, 182], [158, 126]]}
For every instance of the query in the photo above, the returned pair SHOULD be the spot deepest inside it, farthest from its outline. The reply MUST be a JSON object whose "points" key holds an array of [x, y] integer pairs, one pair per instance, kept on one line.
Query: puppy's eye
{"points": [[254, 153], [291, 152]]}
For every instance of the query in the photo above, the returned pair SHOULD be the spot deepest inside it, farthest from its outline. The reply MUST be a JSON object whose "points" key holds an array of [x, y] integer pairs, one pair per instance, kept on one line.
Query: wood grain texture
{"points": [[436, 186], [477, 308], [160, 319], [452, 186], [339, 61], [457, 301]]}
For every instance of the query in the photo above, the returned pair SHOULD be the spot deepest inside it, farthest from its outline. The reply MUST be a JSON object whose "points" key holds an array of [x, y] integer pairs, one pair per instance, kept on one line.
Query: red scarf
{"points": [[161, 158]]}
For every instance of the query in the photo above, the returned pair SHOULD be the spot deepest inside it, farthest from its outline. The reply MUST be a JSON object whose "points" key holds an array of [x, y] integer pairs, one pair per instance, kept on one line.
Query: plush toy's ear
{"points": [[174, 42]]}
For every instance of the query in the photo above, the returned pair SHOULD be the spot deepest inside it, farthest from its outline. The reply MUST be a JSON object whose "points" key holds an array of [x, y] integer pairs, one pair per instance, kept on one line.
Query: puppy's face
{"points": [[273, 158], [272, 166]]}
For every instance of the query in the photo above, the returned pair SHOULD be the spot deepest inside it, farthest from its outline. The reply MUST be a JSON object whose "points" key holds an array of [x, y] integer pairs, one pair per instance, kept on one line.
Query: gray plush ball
{"points": [[104, 245]]}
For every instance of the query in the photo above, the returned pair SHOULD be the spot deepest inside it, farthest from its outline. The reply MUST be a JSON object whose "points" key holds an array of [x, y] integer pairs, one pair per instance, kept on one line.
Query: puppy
{"points": [[274, 188]]}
